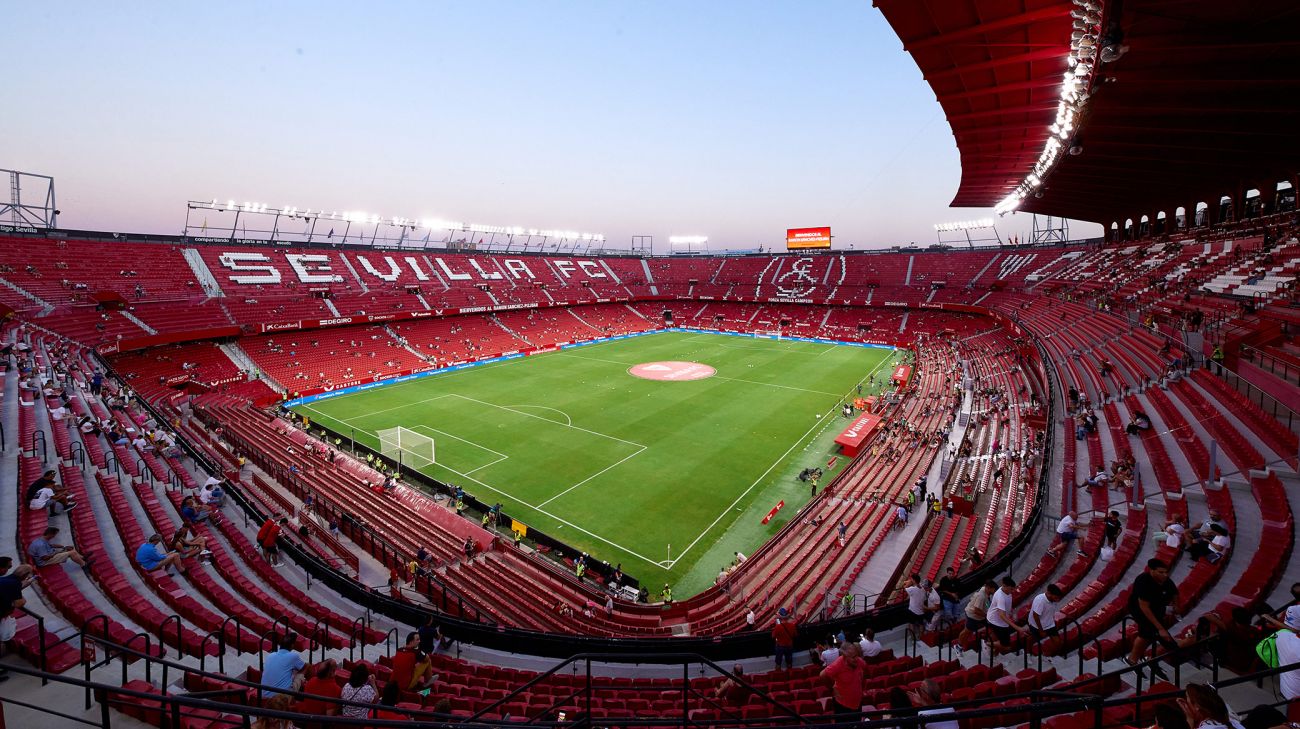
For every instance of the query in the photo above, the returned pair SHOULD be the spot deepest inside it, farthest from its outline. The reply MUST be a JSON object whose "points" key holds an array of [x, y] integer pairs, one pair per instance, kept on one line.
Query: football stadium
{"points": [[282, 466]]}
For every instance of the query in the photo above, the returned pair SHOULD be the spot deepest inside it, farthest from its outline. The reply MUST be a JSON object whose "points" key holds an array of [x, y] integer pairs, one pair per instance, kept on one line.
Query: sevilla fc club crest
{"points": [[796, 282]]}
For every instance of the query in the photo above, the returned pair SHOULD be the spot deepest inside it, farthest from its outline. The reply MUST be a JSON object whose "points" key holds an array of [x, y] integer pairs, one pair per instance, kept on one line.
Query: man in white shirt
{"points": [[915, 599], [870, 646], [1042, 612], [933, 604], [1173, 535], [1067, 530], [1000, 617], [1288, 652]]}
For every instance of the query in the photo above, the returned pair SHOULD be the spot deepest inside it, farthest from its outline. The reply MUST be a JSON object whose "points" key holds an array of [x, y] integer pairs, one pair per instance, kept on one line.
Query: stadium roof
{"points": [[1205, 102]]}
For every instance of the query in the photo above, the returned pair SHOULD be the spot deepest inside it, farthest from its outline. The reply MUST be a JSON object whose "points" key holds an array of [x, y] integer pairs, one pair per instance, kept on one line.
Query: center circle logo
{"points": [[672, 371]]}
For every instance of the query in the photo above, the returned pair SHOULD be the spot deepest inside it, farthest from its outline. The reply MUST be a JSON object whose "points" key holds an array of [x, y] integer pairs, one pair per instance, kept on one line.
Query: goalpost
{"points": [[407, 447]]}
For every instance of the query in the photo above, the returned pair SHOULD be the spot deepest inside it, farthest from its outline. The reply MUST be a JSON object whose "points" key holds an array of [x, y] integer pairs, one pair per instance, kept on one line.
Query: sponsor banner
{"points": [[19, 229], [283, 326], [779, 505], [175, 380], [802, 239]]}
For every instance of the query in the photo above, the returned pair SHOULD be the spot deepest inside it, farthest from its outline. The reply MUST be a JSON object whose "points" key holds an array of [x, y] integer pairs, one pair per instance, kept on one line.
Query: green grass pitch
{"points": [[668, 478]]}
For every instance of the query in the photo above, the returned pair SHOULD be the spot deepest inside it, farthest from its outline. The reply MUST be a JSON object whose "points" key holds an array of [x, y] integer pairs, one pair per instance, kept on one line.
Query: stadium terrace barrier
{"points": [[1084, 700]]}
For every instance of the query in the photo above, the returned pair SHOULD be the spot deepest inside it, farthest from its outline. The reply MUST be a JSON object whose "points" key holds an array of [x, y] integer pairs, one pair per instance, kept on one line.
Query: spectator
{"points": [[188, 544], [1113, 528], [11, 601], [193, 512], [431, 637], [412, 669], [1204, 708], [1042, 613], [388, 702], [1169, 716], [212, 495], [1173, 534], [322, 684], [44, 490], [281, 702], [1148, 602], [870, 646], [360, 689], [846, 675], [44, 553], [1213, 550], [977, 611], [151, 555], [783, 635], [730, 692], [1067, 530], [929, 694], [916, 600], [283, 669], [268, 538], [1288, 652], [1000, 617]]}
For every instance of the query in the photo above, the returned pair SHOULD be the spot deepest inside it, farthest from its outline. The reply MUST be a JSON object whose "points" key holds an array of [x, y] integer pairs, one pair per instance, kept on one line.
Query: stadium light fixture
{"points": [[1075, 86], [688, 239]]}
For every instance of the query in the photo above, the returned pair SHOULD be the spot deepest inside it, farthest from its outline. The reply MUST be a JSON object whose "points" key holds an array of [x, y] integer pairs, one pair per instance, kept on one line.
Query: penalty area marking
{"points": [[539, 510], [500, 456]]}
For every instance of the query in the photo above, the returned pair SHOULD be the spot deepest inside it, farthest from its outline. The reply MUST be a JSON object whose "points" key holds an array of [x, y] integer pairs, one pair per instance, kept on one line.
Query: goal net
{"points": [[407, 447]]}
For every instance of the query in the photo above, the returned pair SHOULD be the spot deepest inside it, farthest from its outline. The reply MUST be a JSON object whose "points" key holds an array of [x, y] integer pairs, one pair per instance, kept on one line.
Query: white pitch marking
{"points": [[548, 420], [539, 510], [769, 470], [569, 420]]}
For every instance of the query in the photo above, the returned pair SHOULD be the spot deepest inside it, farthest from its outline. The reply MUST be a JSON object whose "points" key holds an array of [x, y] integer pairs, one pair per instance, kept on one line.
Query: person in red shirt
{"points": [[846, 674], [322, 684], [783, 635], [412, 670]]}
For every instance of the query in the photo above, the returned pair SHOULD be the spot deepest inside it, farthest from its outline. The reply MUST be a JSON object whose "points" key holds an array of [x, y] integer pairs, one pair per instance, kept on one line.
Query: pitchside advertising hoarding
{"points": [[802, 239]]}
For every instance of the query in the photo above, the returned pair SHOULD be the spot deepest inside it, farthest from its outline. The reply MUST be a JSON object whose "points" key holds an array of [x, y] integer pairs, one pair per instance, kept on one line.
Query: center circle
{"points": [[672, 371]]}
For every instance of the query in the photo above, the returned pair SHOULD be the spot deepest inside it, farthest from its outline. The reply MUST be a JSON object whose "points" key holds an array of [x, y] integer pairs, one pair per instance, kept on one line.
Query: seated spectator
{"points": [[870, 646], [45, 553], [412, 669], [44, 490], [1138, 423], [151, 556], [283, 668], [281, 702], [360, 689], [730, 692], [193, 512], [1213, 550], [187, 543], [1173, 534], [322, 684], [212, 495]]}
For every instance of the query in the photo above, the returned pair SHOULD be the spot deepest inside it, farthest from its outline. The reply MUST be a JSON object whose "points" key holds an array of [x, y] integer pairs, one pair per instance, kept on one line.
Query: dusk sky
{"points": [[730, 119]]}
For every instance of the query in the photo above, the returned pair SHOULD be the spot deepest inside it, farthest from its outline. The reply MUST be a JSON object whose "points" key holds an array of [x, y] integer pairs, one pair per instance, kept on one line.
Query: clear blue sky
{"points": [[730, 119]]}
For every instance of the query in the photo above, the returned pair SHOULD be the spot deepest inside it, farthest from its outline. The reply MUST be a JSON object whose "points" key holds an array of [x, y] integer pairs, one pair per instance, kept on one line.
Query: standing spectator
{"points": [[1042, 613], [900, 517], [360, 689], [44, 553], [846, 674], [96, 383], [151, 555], [783, 635], [977, 611], [1148, 601], [412, 668], [268, 538], [1113, 528], [948, 594], [916, 599], [322, 684], [283, 669], [1000, 618]]}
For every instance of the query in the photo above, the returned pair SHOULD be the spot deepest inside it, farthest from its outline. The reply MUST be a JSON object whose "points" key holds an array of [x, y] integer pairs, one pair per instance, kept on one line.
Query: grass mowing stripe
{"points": [[659, 462]]}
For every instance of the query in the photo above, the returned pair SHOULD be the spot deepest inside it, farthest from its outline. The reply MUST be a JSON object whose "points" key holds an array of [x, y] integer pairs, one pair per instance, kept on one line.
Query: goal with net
{"points": [[406, 447]]}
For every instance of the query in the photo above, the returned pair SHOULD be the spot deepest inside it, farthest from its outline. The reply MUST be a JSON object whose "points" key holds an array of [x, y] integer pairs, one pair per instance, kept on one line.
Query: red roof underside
{"points": [[1206, 102]]}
